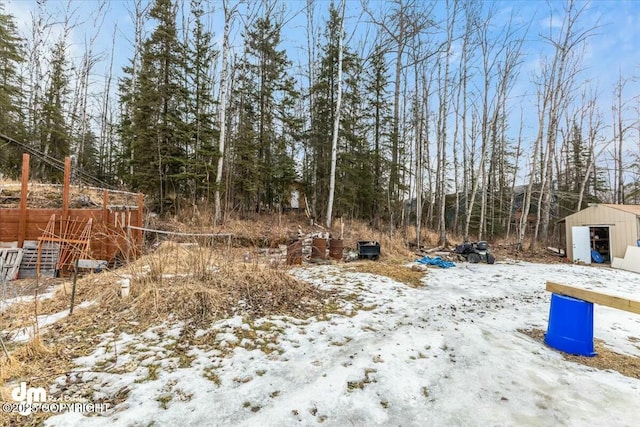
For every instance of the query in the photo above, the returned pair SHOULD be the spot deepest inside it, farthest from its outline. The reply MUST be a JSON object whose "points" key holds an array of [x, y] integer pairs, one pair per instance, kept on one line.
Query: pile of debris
{"points": [[317, 248], [473, 252]]}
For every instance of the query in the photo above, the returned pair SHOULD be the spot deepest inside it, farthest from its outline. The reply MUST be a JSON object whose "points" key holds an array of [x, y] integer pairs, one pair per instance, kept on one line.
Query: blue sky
{"points": [[612, 50]]}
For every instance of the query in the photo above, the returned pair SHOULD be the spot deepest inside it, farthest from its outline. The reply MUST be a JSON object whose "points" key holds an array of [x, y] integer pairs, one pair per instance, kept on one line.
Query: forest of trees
{"points": [[407, 116]]}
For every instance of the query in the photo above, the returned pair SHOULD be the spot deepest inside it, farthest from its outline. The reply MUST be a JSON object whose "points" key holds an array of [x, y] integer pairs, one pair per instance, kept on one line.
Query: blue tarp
{"points": [[436, 261]]}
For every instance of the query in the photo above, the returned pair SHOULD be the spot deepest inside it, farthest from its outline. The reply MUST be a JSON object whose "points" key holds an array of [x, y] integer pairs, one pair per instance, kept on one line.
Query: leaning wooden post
{"points": [[22, 219], [128, 243], [73, 287], [65, 188]]}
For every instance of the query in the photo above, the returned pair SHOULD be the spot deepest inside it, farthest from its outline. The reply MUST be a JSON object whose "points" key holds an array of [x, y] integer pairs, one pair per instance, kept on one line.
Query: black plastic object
{"points": [[473, 258], [464, 248], [368, 249], [482, 245]]}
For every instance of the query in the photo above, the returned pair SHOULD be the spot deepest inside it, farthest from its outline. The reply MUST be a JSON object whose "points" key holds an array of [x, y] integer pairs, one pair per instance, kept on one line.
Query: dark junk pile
{"points": [[319, 248], [473, 252]]}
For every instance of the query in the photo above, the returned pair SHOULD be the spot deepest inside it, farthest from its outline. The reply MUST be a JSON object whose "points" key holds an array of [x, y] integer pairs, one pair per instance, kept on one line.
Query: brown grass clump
{"points": [[14, 365], [264, 231], [428, 238], [34, 360], [246, 288], [193, 283], [397, 272], [605, 359], [9, 367]]}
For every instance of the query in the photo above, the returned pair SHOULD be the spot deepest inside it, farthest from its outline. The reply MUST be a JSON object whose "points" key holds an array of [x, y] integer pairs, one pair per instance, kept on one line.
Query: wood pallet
{"points": [[49, 255], [10, 260]]}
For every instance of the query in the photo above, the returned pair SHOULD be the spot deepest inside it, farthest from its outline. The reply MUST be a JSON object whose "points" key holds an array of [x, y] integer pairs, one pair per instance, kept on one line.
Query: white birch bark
{"points": [[223, 109], [336, 123]]}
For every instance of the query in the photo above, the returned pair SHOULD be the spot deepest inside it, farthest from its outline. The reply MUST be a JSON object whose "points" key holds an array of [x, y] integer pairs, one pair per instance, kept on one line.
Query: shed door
{"points": [[295, 199], [581, 244]]}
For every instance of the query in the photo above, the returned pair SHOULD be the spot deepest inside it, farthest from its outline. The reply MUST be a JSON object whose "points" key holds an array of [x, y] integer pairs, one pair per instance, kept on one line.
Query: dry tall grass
{"points": [[272, 230], [194, 284], [393, 245]]}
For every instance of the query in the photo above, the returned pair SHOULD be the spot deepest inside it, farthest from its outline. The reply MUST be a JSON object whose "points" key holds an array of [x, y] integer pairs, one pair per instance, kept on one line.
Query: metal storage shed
{"points": [[605, 228]]}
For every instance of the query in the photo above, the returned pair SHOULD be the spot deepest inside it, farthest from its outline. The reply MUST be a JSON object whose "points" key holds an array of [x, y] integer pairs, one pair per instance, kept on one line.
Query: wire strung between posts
{"points": [[85, 177], [228, 236], [177, 233]]}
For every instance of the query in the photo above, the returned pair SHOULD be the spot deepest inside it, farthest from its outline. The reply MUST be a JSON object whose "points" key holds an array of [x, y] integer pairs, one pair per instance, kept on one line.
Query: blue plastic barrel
{"points": [[570, 325]]}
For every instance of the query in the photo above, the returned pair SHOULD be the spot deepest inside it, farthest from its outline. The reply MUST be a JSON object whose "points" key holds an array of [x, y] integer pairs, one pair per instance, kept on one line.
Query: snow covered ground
{"points": [[446, 354]]}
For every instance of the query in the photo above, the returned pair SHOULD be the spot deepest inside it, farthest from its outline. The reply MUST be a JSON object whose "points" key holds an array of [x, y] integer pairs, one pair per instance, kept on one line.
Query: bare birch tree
{"points": [[336, 122], [620, 130], [500, 57], [452, 12], [228, 13], [406, 20]]}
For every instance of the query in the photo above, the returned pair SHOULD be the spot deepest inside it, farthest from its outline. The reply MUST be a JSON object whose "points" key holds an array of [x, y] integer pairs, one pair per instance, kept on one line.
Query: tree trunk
{"points": [[223, 110], [336, 123]]}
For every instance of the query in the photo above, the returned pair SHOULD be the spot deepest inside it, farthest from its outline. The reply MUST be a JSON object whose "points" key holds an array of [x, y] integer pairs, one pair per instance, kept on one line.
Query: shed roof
{"points": [[633, 209]]}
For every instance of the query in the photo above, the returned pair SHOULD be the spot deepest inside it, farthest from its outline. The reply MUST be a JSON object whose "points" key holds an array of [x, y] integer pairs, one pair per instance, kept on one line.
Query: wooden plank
{"points": [[63, 240], [12, 215], [23, 199], [92, 263], [620, 303]]}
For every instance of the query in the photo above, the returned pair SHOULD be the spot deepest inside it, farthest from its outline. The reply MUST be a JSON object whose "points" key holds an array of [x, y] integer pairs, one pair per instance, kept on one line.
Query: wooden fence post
{"points": [[105, 245], [22, 220], [140, 223], [65, 188]]}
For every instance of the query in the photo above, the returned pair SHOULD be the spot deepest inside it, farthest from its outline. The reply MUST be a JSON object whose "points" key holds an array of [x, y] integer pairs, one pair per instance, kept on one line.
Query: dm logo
{"points": [[28, 395]]}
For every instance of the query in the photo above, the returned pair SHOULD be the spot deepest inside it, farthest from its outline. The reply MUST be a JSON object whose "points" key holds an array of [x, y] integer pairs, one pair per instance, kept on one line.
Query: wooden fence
{"points": [[110, 235]]}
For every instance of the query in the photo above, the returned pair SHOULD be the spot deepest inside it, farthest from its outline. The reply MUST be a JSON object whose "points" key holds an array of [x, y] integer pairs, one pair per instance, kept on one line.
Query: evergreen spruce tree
{"points": [[54, 134], [245, 175], [11, 117], [354, 192], [89, 155], [267, 126], [155, 129], [202, 133], [379, 110], [324, 95]]}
